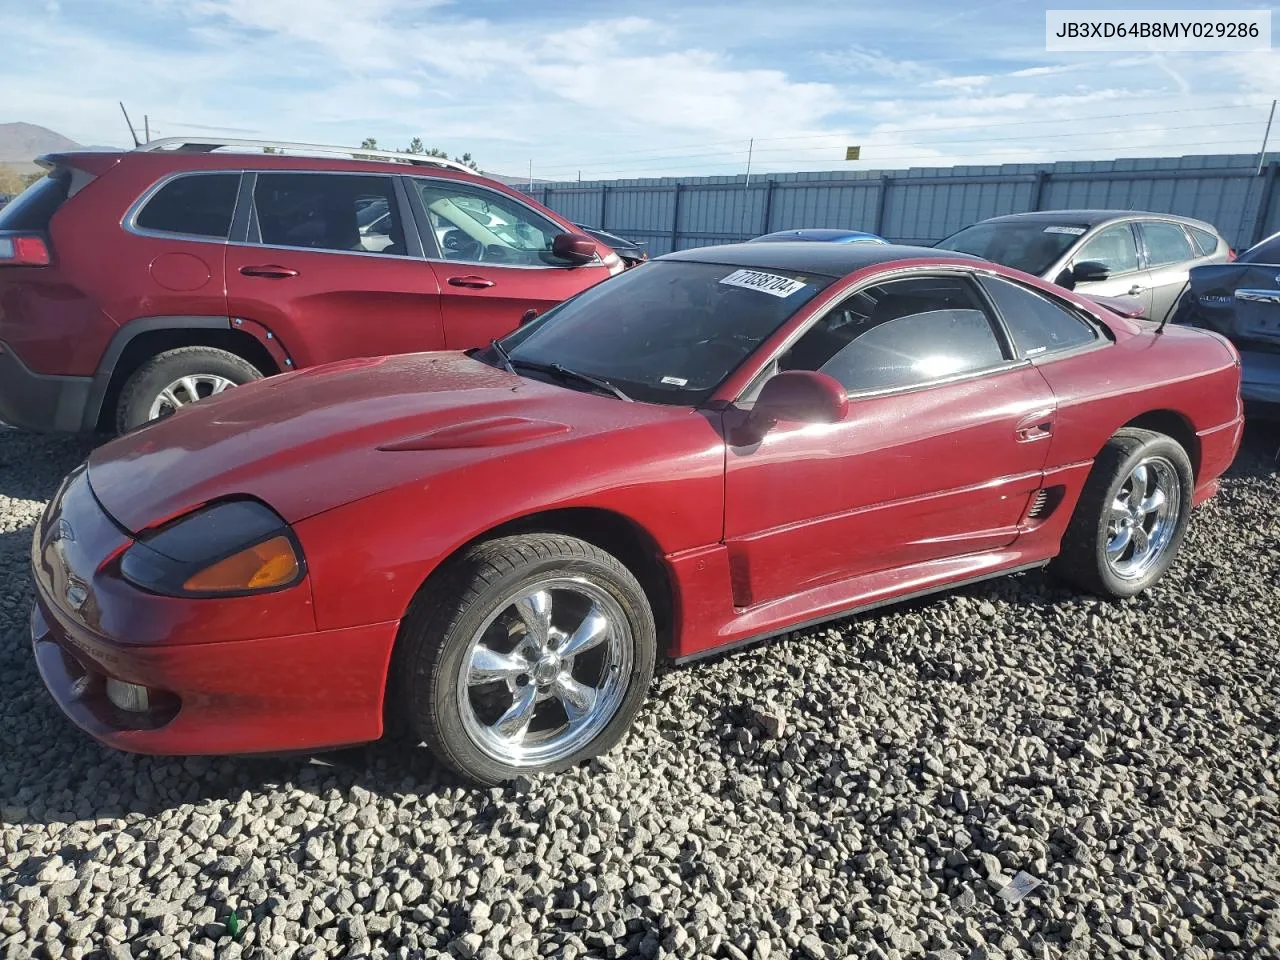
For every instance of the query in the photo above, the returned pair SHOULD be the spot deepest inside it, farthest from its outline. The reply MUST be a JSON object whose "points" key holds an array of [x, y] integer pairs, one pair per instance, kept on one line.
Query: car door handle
{"points": [[271, 271], [475, 283], [1136, 289], [1037, 426], [1259, 296]]}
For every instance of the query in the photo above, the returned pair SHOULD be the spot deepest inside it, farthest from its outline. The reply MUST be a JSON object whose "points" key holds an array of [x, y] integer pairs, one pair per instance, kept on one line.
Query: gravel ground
{"points": [[863, 789]]}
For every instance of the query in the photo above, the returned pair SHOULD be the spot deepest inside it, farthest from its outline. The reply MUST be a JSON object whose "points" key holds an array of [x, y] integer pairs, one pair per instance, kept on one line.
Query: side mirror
{"points": [[802, 396], [1090, 271], [575, 247]]}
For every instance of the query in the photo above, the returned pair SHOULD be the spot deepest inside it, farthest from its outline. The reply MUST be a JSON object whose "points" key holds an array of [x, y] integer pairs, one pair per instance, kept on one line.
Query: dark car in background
{"points": [[1111, 253], [133, 283], [630, 252], [819, 235], [1241, 301]]}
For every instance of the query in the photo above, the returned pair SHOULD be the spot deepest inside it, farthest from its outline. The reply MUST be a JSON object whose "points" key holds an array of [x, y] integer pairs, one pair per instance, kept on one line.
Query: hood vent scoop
{"points": [[491, 432]]}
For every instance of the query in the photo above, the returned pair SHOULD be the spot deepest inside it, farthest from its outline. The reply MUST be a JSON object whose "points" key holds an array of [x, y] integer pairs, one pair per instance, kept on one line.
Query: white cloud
{"points": [[679, 89]]}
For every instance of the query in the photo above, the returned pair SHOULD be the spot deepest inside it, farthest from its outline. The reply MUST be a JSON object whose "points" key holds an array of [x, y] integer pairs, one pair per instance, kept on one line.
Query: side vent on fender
{"points": [[1045, 502]]}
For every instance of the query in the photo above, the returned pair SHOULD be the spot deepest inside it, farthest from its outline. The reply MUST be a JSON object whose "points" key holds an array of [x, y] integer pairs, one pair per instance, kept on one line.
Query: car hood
{"points": [[309, 441]]}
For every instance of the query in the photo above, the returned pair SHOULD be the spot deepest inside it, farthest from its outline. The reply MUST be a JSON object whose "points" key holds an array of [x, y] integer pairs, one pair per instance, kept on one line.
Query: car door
{"points": [[327, 264], [492, 257], [942, 449], [1169, 256], [1116, 247]]}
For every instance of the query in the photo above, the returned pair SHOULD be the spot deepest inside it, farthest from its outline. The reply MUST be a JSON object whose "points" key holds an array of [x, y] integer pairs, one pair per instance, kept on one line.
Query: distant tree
{"points": [[12, 182], [416, 146]]}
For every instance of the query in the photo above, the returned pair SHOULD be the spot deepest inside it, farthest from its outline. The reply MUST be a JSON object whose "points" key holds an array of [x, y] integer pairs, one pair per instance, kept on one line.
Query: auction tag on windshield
{"points": [[769, 283], [1070, 231]]}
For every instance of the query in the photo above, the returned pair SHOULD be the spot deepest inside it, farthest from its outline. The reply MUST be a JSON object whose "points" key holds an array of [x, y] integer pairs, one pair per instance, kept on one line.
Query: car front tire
{"points": [[1131, 516], [528, 655]]}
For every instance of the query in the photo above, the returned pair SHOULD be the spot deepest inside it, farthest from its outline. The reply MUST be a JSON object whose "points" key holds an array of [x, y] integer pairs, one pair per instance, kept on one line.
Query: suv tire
{"points": [[168, 380]]}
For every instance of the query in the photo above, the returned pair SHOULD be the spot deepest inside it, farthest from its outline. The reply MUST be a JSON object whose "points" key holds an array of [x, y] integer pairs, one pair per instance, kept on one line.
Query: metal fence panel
{"points": [[922, 204]]}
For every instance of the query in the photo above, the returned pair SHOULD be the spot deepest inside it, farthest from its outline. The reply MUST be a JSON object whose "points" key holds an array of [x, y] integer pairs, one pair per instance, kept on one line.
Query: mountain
{"points": [[21, 143]]}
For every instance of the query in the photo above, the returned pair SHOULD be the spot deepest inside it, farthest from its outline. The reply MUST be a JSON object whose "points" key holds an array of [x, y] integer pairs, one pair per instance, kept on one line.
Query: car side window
{"points": [[900, 333], [1206, 242], [474, 224], [197, 205], [1113, 246], [1036, 324], [1165, 243], [352, 213]]}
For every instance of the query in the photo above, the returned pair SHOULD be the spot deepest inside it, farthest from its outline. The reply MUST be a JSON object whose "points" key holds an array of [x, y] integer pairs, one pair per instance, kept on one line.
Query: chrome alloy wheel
{"points": [[546, 672], [1143, 518], [186, 390]]}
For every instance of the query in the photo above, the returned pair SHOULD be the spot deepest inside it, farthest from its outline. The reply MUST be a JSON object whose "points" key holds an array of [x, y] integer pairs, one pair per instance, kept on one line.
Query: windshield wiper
{"points": [[505, 357], [560, 370]]}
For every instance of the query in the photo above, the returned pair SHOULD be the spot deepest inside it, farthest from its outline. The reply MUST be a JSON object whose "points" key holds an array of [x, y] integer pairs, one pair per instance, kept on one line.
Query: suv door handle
{"points": [[1037, 426], [474, 282], [1136, 289], [270, 270]]}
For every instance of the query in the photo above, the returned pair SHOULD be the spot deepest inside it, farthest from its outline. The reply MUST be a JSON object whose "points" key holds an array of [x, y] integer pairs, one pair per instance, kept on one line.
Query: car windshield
{"points": [[669, 332], [1030, 246]]}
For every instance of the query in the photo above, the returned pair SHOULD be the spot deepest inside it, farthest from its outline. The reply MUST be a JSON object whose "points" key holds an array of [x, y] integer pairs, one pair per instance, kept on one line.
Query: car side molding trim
{"points": [[858, 609]]}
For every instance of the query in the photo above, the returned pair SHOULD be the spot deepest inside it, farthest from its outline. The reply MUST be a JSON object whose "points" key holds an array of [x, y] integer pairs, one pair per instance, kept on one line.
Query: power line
{"points": [[933, 160], [660, 159], [841, 137]]}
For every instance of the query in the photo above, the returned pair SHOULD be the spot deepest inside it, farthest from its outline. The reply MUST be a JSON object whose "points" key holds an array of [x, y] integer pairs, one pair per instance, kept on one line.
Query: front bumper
{"points": [[39, 402], [306, 692], [249, 674]]}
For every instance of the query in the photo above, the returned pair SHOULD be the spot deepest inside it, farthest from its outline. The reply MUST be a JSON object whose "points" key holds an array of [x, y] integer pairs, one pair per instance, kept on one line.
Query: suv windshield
{"points": [[1032, 246], [669, 332]]}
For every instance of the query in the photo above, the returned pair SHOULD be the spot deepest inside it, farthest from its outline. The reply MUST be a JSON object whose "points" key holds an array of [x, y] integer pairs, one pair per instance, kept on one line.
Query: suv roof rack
{"points": [[187, 145]]}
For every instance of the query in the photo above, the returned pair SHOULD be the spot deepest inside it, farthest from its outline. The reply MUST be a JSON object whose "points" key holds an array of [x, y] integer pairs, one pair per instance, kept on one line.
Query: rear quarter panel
{"points": [[1178, 370]]}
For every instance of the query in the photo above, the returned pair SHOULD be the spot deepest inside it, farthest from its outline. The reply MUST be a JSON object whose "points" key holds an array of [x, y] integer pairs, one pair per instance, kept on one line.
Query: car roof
{"points": [[829, 259], [1088, 218]]}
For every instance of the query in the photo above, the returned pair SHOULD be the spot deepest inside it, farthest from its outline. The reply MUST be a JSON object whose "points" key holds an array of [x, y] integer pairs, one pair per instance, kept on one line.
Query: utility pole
{"points": [[531, 173], [1262, 154], [746, 184]]}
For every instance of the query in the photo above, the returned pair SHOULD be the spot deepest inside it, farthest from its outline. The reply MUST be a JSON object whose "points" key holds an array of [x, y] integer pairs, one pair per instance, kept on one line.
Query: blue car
{"points": [[1241, 301], [821, 235]]}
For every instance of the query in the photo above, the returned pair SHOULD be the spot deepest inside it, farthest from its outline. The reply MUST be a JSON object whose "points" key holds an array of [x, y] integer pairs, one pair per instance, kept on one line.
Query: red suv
{"points": [[132, 283]]}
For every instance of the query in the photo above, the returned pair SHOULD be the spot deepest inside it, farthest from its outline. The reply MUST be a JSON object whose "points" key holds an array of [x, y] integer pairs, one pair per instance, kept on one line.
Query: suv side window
{"points": [[901, 333], [1165, 243], [1036, 324], [474, 224], [197, 205], [1113, 246], [357, 213]]}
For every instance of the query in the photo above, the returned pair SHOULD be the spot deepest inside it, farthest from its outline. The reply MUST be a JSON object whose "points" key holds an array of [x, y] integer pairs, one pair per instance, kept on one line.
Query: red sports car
{"points": [[725, 444]]}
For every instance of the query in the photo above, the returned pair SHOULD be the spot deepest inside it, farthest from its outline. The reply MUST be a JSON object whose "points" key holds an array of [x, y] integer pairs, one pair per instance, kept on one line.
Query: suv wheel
{"points": [[176, 378]]}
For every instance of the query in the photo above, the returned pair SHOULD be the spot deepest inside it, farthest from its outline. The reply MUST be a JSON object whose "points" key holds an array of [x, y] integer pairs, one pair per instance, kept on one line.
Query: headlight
{"points": [[228, 548]]}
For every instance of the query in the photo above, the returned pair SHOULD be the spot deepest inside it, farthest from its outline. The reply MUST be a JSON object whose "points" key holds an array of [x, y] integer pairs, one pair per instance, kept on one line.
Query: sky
{"points": [[598, 91]]}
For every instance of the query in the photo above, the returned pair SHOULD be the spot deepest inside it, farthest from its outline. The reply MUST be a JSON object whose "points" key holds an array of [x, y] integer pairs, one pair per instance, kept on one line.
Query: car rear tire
{"points": [[1131, 516], [528, 655], [178, 377]]}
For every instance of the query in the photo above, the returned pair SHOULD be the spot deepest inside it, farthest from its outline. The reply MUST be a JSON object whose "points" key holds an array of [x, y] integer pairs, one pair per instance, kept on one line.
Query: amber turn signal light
{"points": [[272, 563]]}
